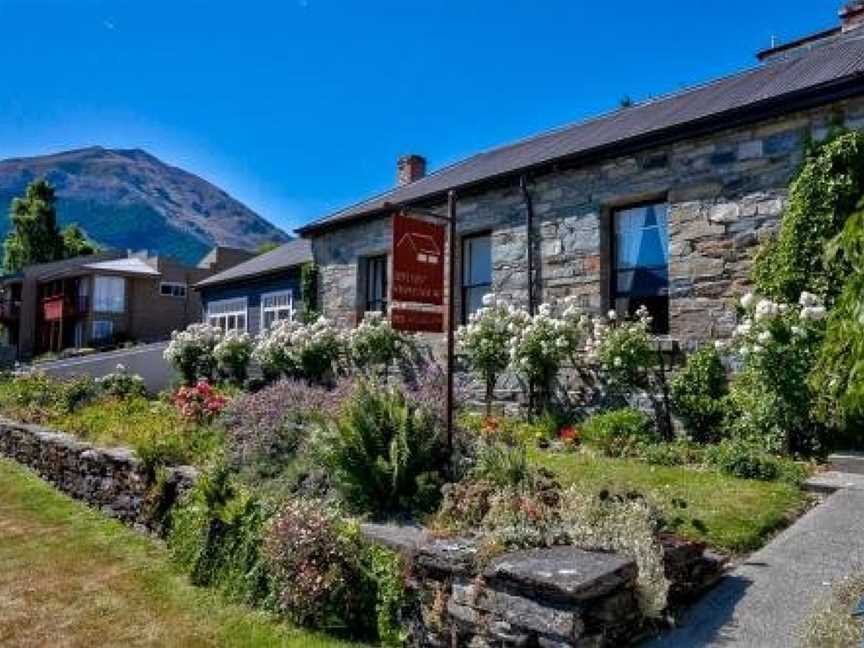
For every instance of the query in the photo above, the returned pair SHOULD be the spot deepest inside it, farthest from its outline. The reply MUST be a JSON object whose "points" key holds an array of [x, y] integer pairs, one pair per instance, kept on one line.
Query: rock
{"points": [[563, 573]]}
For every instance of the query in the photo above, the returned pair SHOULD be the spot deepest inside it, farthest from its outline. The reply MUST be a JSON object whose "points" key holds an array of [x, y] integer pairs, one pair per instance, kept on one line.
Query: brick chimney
{"points": [[852, 15], [410, 168]]}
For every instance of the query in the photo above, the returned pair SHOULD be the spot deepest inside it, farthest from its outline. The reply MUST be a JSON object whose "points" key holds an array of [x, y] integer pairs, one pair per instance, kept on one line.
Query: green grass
{"points": [[69, 576], [730, 514]]}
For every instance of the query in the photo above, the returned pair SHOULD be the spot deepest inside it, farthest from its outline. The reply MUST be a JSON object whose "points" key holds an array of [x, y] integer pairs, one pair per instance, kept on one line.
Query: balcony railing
{"points": [[55, 308], [10, 310]]}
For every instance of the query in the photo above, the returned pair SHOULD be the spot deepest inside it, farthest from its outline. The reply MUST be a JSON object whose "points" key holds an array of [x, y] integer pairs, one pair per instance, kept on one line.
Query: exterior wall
{"points": [[726, 193], [252, 289]]}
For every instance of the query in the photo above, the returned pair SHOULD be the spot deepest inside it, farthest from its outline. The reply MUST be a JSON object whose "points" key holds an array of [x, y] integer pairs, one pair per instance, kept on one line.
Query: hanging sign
{"points": [[418, 261], [406, 319]]}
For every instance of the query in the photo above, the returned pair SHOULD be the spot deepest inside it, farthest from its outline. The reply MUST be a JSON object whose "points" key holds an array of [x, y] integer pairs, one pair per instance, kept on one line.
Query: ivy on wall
{"points": [[821, 198]]}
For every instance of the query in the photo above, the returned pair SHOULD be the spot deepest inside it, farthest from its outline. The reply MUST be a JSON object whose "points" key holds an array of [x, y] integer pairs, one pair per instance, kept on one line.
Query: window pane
{"points": [[109, 294], [477, 260], [474, 299], [376, 283], [642, 262]]}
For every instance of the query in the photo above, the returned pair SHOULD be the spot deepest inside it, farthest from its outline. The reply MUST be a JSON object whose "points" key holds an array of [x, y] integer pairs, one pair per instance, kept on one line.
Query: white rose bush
{"points": [[777, 344], [312, 351], [485, 342], [500, 336], [232, 355], [191, 351], [374, 345]]}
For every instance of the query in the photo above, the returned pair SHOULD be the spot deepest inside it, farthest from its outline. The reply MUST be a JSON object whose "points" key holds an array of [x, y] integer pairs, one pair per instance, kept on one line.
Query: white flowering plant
{"points": [[232, 355], [771, 398], [485, 341], [542, 343], [311, 351], [623, 348], [191, 351], [122, 384], [374, 345]]}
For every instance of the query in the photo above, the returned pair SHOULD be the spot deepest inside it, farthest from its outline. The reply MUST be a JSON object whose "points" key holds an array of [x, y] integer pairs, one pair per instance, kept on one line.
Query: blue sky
{"points": [[298, 107]]}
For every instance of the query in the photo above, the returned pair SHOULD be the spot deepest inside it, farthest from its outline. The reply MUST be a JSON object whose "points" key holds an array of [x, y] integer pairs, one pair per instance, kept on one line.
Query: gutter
{"points": [[808, 98]]}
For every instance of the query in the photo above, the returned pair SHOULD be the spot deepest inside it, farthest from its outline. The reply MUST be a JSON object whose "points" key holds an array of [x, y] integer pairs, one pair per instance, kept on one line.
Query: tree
{"points": [[34, 236], [76, 243]]}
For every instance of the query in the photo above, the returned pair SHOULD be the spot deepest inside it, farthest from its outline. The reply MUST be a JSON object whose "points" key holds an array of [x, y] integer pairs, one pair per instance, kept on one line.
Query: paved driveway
{"points": [[146, 361]]}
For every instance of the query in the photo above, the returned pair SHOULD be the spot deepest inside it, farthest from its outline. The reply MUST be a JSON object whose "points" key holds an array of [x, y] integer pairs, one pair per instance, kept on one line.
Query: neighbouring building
{"points": [[660, 204], [103, 299], [252, 295]]}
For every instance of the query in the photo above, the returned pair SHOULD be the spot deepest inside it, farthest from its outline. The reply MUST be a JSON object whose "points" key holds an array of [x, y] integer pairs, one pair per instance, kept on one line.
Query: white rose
{"points": [[612, 315], [765, 337], [747, 300]]}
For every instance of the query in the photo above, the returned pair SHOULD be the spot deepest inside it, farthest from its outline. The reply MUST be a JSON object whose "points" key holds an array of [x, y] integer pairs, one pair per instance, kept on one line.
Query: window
{"points": [[109, 294], [640, 274], [228, 314], [376, 283], [476, 272], [172, 289], [276, 306], [102, 331]]}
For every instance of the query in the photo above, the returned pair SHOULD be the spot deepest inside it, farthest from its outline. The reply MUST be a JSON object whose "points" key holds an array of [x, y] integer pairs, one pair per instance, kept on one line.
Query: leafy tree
{"points": [[34, 236], [76, 243]]}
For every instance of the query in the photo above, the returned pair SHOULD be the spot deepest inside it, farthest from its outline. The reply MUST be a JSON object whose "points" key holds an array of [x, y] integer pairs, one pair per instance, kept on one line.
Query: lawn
{"points": [[730, 514], [70, 577]]}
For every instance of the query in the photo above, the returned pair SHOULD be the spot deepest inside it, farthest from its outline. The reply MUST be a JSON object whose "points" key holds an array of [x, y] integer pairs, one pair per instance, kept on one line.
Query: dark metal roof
{"points": [[290, 254], [776, 88]]}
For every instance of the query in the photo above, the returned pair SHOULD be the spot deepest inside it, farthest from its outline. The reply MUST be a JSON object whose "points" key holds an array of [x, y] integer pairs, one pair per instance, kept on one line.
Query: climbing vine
{"points": [[821, 198]]}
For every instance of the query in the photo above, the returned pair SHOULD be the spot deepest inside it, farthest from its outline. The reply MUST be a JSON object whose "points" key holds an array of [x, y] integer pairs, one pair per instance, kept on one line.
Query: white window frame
{"points": [[110, 325], [277, 308], [220, 312], [178, 289], [112, 307]]}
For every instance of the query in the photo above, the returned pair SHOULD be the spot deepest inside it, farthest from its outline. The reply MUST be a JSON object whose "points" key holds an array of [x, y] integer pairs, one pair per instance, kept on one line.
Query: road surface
{"points": [[145, 360]]}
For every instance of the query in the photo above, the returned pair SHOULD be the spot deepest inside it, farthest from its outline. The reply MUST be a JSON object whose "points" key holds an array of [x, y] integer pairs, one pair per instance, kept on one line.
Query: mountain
{"points": [[128, 199]]}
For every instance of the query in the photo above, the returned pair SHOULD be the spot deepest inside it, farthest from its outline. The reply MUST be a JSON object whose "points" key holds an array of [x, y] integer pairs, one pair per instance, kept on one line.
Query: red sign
{"points": [[52, 309], [416, 320], [418, 261]]}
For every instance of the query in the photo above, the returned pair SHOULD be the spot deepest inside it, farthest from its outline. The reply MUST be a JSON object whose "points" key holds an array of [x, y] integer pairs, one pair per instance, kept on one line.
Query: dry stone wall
{"points": [[111, 480], [726, 193], [556, 597]]}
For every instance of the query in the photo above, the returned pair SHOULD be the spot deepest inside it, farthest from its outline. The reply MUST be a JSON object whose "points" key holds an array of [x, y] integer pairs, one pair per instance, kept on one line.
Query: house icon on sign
{"points": [[423, 246]]}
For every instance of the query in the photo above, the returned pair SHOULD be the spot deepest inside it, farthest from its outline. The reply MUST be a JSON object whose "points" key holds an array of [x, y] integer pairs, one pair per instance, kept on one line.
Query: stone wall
{"points": [[111, 480], [553, 598], [725, 192]]}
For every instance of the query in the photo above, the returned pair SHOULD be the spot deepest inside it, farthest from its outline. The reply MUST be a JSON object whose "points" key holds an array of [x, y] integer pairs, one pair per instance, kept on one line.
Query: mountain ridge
{"points": [[130, 199]]}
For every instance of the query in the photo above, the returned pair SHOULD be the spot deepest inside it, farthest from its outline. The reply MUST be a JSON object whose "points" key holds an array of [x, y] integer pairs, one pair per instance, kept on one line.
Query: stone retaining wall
{"points": [[112, 480], [552, 598]]}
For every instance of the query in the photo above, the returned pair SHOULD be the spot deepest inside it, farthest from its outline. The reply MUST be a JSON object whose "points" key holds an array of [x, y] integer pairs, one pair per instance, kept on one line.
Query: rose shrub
{"points": [[232, 355], [191, 351]]}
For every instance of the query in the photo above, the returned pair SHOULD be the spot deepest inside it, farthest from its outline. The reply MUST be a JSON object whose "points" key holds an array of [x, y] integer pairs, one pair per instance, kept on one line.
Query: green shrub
{"points": [[676, 453], [383, 452], [122, 384], [619, 433], [503, 464], [37, 397], [748, 461], [216, 537], [697, 393], [316, 566]]}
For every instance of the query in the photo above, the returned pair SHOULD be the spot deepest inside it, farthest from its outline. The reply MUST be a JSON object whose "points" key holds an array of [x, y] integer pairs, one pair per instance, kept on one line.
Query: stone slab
{"points": [[831, 481], [562, 573]]}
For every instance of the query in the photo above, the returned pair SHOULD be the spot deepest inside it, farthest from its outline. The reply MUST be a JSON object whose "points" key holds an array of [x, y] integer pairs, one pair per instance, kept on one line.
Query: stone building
{"points": [[662, 203]]}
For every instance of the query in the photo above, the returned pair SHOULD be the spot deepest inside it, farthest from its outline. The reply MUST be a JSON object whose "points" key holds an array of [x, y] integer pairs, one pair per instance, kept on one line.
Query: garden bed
{"points": [[729, 514]]}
